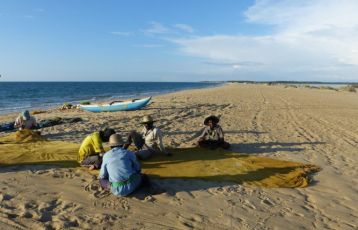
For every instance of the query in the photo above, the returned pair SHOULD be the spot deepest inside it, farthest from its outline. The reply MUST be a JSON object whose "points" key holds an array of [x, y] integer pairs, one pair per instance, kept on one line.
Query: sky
{"points": [[178, 40]]}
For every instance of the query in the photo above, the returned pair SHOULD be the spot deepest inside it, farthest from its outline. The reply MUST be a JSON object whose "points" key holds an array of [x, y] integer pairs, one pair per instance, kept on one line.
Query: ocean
{"points": [[17, 96]]}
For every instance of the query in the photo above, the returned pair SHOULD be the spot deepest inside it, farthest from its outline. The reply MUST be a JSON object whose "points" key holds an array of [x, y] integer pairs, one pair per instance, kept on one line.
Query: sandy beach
{"points": [[311, 126]]}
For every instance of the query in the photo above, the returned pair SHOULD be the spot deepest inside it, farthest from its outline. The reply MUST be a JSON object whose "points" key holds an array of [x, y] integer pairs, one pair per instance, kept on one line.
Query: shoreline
{"points": [[303, 125], [313, 85], [100, 99]]}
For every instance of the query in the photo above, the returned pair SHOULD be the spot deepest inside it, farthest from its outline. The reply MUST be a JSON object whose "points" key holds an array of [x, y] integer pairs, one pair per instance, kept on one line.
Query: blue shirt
{"points": [[118, 165]]}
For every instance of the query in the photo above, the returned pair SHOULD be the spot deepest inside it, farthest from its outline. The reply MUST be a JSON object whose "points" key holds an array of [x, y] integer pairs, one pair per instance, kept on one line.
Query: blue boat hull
{"points": [[118, 106]]}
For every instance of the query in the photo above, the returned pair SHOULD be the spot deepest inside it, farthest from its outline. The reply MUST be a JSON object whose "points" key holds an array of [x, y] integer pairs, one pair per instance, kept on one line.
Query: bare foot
{"points": [[92, 167]]}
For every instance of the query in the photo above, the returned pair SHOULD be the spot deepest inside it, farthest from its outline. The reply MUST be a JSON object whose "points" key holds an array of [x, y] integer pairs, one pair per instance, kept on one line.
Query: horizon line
{"points": [[210, 81]]}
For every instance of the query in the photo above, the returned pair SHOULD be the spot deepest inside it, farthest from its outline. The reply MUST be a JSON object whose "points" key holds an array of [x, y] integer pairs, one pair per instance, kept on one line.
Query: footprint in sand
{"points": [[194, 221], [177, 201], [54, 214], [96, 190], [149, 199], [248, 205], [69, 173], [40, 172], [268, 202], [28, 210], [231, 203], [173, 144], [5, 196], [113, 203]]}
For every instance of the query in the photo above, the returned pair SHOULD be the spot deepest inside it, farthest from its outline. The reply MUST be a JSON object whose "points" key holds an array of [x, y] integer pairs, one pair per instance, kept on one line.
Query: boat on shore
{"points": [[114, 106]]}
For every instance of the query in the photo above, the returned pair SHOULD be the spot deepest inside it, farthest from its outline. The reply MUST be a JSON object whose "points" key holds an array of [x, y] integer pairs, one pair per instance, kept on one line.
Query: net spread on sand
{"points": [[27, 147]]}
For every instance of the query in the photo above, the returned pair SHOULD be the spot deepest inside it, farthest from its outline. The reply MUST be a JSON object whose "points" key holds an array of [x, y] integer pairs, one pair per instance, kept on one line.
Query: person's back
{"points": [[121, 164], [91, 145], [120, 170], [91, 150]]}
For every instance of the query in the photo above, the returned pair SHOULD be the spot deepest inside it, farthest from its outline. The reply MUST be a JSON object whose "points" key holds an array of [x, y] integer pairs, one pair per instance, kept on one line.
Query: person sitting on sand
{"points": [[91, 150], [25, 121], [213, 135], [149, 141], [120, 171]]}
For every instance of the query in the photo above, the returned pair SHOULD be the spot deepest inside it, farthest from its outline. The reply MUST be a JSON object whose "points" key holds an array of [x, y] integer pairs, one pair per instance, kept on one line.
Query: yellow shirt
{"points": [[91, 145]]}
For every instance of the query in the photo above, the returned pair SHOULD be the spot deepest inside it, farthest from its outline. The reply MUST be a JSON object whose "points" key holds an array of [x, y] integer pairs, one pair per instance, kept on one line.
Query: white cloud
{"points": [[317, 37], [306, 15], [156, 28], [119, 33], [235, 65], [184, 27], [148, 45]]}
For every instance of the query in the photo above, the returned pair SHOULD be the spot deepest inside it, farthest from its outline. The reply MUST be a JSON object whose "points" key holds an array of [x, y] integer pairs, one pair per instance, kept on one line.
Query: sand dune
{"points": [[305, 125]]}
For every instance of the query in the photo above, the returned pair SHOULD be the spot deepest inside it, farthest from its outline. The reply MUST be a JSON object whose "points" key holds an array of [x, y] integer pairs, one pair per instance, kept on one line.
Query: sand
{"points": [[305, 125]]}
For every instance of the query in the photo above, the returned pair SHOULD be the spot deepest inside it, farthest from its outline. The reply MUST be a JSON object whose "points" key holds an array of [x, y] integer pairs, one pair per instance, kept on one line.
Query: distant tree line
{"points": [[293, 82]]}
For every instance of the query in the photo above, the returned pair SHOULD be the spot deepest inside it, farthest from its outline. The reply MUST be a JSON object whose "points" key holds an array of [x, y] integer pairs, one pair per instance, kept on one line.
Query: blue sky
{"points": [[178, 40]]}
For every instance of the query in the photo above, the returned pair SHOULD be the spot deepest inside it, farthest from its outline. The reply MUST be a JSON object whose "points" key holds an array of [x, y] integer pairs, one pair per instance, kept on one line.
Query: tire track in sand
{"points": [[296, 120], [257, 119]]}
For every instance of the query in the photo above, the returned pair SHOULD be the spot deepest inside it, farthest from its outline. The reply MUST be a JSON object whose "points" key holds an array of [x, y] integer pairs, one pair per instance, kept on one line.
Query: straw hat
{"points": [[214, 119], [147, 119], [115, 140]]}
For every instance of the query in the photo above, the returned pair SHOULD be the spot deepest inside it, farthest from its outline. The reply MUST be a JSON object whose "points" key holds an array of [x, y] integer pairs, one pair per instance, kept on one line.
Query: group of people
{"points": [[120, 170]]}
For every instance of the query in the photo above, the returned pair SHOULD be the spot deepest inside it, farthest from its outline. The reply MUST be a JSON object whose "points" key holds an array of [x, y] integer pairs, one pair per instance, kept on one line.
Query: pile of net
{"points": [[27, 147], [43, 123]]}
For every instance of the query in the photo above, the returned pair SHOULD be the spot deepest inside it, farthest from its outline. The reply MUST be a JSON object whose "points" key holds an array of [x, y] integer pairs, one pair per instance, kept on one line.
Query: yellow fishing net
{"points": [[220, 165], [26, 147]]}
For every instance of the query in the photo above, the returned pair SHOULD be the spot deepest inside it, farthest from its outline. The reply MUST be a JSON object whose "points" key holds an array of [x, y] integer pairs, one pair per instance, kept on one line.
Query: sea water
{"points": [[17, 96]]}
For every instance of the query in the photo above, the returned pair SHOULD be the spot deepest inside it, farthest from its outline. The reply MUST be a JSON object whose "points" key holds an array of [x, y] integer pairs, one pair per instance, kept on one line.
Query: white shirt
{"points": [[25, 124], [153, 139]]}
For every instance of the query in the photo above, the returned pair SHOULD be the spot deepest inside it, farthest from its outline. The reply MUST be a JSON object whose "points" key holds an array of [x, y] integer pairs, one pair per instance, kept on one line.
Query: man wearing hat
{"points": [[25, 121], [213, 135], [149, 141], [120, 170]]}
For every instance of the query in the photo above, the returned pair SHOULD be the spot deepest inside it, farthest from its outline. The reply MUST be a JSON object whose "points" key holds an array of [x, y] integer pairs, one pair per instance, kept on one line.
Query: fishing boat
{"points": [[117, 105]]}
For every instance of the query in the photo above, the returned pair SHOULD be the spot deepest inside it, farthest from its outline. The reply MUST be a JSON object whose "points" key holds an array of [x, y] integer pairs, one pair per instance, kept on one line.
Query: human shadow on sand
{"points": [[38, 166], [225, 166], [272, 147], [201, 130], [195, 134]]}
